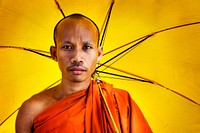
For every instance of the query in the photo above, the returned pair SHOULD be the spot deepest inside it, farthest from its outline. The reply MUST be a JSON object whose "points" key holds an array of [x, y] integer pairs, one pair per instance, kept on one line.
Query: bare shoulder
{"points": [[36, 103], [30, 109]]}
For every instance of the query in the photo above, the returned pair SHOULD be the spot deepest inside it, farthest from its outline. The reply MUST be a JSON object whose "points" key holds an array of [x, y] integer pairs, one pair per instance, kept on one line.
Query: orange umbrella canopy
{"points": [[168, 58]]}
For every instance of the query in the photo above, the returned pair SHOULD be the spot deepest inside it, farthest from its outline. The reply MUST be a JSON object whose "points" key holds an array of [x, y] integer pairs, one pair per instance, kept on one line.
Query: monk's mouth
{"points": [[77, 70]]}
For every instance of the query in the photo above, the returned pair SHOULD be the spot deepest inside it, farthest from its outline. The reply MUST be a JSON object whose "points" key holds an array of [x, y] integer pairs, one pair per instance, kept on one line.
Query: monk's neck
{"points": [[68, 88]]}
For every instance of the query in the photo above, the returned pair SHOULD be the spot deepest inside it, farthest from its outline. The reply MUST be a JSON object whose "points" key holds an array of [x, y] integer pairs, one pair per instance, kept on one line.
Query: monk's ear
{"points": [[53, 53], [100, 53]]}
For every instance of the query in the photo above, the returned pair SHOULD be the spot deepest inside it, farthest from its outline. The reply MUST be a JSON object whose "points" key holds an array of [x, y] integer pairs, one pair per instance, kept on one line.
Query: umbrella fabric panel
{"points": [[28, 24], [167, 59], [22, 75]]}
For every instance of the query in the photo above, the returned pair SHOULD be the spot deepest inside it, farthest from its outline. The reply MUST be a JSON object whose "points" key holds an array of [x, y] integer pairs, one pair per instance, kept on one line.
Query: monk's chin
{"points": [[78, 80]]}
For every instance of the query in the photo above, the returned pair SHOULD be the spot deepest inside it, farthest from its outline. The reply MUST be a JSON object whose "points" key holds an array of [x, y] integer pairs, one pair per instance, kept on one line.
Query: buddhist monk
{"points": [[79, 104]]}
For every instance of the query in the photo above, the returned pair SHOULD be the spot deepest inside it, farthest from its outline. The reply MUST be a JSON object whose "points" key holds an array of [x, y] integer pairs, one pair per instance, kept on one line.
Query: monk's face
{"points": [[76, 52]]}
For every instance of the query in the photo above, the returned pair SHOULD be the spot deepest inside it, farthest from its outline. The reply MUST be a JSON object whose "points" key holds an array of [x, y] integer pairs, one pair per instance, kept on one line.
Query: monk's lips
{"points": [[77, 70]]}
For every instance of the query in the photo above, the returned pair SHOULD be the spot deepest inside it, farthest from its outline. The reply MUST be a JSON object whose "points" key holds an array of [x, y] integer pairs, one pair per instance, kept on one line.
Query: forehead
{"points": [[72, 23], [71, 27]]}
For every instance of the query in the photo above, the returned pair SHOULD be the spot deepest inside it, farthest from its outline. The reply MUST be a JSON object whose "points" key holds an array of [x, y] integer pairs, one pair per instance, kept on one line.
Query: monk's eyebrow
{"points": [[87, 42], [67, 42], [83, 43]]}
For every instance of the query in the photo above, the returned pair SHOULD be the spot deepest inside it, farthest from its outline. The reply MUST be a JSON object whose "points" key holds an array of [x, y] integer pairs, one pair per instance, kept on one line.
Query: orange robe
{"points": [[85, 111]]}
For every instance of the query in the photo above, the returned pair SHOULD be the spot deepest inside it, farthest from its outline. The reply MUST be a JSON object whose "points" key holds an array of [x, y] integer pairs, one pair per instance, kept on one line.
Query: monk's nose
{"points": [[77, 57]]}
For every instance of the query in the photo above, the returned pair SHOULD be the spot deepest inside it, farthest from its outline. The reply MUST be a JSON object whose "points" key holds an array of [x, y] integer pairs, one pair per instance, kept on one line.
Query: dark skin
{"points": [[77, 54]]}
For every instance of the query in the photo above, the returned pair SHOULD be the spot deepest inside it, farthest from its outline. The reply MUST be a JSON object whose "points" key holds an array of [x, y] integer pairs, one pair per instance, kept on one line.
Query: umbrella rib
{"points": [[120, 70], [175, 27], [107, 66], [39, 52], [8, 117], [124, 45], [122, 76], [106, 23], [125, 50], [181, 95], [152, 82], [59, 8], [167, 29], [52, 84], [19, 108], [33, 51], [105, 20]]}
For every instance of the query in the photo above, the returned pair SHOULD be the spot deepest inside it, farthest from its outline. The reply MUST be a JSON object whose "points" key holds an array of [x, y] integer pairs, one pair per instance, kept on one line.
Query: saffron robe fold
{"points": [[85, 111]]}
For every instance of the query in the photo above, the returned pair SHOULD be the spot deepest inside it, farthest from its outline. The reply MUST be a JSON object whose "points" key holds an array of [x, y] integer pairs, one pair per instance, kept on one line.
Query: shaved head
{"points": [[76, 48], [73, 20]]}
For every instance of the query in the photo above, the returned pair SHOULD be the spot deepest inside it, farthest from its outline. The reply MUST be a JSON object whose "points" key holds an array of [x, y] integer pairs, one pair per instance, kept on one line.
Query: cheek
{"points": [[63, 55], [60, 58], [93, 62], [63, 59]]}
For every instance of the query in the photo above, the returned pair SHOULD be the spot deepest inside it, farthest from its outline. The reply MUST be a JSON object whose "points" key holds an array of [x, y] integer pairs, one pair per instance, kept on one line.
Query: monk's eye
{"points": [[87, 47], [67, 47]]}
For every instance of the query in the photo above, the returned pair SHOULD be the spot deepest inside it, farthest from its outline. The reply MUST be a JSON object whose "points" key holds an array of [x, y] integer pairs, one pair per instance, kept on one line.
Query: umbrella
{"points": [[165, 58]]}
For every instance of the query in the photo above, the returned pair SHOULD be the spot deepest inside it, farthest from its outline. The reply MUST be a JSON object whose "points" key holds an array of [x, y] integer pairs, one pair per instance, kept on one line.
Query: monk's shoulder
{"points": [[29, 110], [121, 96], [121, 93], [112, 89], [36, 104], [37, 100]]}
